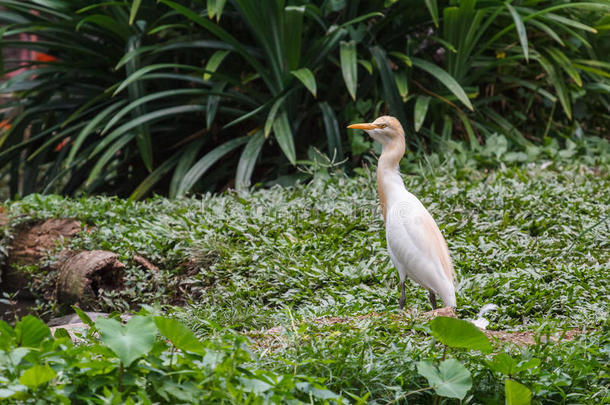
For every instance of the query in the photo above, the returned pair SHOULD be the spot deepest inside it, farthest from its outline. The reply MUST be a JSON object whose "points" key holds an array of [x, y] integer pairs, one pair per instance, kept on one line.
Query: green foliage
{"points": [[459, 333], [517, 394], [170, 96], [451, 379], [303, 273], [133, 340], [55, 370]]}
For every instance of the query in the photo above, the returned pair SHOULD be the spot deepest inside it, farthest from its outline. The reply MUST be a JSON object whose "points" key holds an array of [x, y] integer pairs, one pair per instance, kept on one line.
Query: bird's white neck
{"points": [[388, 175]]}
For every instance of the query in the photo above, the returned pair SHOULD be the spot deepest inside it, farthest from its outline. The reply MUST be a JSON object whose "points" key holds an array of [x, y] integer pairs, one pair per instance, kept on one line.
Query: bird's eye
{"points": [[382, 126]]}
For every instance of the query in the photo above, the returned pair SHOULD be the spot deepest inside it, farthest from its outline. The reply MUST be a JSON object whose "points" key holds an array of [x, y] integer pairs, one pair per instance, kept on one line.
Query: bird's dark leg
{"points": [[401, 303], [432, 299]]}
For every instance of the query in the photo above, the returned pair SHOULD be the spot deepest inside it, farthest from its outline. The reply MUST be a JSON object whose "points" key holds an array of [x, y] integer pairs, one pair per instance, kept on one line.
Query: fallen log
{"points": [[30, 245], [83, 275]]}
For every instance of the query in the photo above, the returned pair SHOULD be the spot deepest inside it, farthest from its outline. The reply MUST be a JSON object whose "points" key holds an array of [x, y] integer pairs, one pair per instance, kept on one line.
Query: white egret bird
{"points": [[415, 244]]}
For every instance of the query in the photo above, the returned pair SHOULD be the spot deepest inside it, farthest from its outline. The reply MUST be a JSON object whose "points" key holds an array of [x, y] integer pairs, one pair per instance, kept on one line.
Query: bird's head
{"points": [[384, 130]]}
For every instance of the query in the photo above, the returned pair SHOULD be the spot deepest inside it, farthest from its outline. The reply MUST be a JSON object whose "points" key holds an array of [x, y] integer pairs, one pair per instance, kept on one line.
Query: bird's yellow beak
{"points": [[363, 126]]}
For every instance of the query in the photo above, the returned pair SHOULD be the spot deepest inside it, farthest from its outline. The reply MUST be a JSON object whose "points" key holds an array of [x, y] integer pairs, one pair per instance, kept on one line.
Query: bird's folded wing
{"points": [[425, 240]]}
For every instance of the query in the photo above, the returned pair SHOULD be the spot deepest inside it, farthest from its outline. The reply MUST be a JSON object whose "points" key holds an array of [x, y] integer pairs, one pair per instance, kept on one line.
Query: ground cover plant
{"points": [[300, 277]]}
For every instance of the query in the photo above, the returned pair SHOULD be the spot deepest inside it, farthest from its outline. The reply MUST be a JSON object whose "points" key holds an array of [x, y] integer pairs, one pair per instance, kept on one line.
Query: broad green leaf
{"points": [[516, 393], [306, 77], [349, 66], [503, 363], [283, 134], [207, 161], [135, 5], [271, 116], [444, 78], [31, 331], [451, 379], [180, 336], [35, 376], [520, 29], [128, 342], [293, 30], [433, 9], [214, 62], [420, 111], [333, 135], [458, 333], [247, 160]]}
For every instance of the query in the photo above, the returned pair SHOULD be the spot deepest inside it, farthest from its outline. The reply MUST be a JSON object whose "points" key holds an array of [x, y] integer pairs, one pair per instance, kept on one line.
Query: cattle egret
{"points": [[415, 244]]}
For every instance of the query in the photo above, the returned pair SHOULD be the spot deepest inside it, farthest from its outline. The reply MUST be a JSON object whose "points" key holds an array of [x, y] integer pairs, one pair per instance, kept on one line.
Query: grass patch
{"points": [[310, 264]]}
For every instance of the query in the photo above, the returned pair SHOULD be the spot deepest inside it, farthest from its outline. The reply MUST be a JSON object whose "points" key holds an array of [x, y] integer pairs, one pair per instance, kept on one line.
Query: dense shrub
{"points": [[126, 97]]}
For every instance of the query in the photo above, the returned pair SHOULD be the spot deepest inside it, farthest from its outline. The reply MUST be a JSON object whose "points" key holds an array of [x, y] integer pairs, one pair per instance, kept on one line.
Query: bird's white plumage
{"points": [[413, 241]]}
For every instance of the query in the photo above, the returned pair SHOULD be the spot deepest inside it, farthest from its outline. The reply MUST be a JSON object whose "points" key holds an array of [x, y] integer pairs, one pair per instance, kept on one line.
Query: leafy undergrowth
{"points": [[281, 266]]}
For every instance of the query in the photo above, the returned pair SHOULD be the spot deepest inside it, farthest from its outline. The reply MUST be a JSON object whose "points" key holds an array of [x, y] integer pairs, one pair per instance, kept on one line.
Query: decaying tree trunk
{"points": [[80, 275], [31, 243], [84, 274]]}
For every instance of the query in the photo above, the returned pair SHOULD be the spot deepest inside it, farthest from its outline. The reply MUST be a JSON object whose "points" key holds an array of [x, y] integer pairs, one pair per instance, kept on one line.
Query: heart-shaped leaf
{"points": [[450, 380], [31, 331], [458, 333], [128, 342], [517, 394], [503, 363], [180, 336], [37, 375]]}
